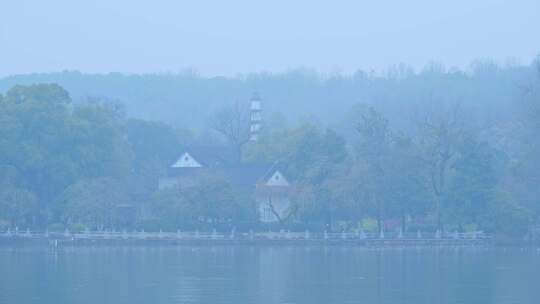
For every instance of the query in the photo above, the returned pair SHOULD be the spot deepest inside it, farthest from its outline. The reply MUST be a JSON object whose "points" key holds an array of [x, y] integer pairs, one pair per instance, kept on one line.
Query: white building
{"points": [[267, 183]]}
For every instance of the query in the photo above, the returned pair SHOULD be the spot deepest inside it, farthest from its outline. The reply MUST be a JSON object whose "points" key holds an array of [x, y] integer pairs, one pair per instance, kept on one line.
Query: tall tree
{"points": [[472, 190], [374, 151], [527, 171], [440, 134], [154, 146], [408, 194]]}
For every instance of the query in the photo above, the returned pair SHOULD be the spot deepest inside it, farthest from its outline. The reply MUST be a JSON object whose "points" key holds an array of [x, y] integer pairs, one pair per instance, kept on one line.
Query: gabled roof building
{"points": [[267, 182]]}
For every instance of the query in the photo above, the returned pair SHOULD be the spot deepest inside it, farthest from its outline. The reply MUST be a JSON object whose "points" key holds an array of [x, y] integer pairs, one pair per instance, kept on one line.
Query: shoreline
{"points": [[260, 238], [266, 239]]}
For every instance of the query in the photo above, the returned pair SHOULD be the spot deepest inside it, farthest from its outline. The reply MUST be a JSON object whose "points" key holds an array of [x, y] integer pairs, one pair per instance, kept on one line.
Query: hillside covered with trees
{"points": [[439, 149]]}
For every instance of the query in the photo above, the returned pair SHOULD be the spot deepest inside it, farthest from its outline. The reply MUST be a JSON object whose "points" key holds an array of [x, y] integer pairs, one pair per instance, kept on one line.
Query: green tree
{"points": [[408, 194], [374, 153], [170, 208], [152, 142], [44, 93], [50, 144], [154, 147], [440, 134], [525, 151], [210, 200], [311, 158], [472, 191], [17, 206], [93, 202]]}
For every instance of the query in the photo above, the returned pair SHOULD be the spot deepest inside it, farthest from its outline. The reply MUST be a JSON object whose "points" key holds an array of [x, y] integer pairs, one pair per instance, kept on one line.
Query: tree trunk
{"points": [[238, 152], [403, 222], [379, 216], [329, 217], [273, 210], [438, 211]]}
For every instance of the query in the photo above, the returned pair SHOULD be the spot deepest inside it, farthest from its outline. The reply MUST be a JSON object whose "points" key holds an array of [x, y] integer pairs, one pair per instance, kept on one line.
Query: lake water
{"points": [[267, 274]]}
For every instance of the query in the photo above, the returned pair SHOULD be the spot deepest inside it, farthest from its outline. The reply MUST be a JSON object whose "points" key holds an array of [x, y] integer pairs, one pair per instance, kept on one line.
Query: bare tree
{"points": [[233, 122], [282, 218]]}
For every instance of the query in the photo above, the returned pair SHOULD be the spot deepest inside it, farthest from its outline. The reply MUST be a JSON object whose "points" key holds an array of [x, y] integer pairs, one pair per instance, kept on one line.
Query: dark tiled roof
{"points": [[178, 172], [217, 160], [245, 175], [210, 156], [277, 166], [238, 175]]}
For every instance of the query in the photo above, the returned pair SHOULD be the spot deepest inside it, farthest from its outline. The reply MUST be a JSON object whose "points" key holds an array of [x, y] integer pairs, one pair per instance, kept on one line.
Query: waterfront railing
{"points": [[282, 235]]}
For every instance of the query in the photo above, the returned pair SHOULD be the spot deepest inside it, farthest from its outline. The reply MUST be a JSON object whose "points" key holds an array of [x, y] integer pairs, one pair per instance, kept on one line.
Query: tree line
{"points": [[88, 165]]}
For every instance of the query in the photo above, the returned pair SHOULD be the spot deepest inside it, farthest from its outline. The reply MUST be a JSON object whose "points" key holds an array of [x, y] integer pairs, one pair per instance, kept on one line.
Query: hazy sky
{"points": [[225, 37]]}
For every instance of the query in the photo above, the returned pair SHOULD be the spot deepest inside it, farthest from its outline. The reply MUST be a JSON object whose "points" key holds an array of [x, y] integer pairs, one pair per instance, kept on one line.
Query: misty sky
{"points": [[229, 37]]}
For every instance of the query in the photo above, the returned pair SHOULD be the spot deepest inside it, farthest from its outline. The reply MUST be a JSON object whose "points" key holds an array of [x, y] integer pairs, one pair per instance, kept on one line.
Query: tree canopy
{"points": [[86, 163]]}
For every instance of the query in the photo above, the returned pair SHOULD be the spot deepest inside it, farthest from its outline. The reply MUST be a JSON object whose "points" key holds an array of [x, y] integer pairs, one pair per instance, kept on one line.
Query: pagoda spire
{"points": [[255, 117]]}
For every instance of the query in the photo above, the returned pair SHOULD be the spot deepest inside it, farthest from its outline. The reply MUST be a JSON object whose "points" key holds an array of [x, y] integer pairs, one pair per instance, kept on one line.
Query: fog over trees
{"points": [[436, 149]]}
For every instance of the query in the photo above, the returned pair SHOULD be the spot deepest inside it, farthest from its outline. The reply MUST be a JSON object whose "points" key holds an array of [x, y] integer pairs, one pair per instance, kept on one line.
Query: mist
{"points": [[227, 38], [269, 152]]}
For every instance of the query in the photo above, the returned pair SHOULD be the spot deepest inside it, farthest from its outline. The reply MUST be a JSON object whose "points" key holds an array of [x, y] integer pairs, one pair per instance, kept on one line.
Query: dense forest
{"points": [[436, 149]]}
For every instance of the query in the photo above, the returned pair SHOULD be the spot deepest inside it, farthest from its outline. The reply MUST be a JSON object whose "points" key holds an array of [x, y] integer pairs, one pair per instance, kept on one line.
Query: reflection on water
{"points": [[245, 274]]}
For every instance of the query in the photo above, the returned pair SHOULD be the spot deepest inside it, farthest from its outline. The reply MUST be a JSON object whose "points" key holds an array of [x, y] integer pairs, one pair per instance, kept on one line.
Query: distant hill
{"points": [[187, 100]]}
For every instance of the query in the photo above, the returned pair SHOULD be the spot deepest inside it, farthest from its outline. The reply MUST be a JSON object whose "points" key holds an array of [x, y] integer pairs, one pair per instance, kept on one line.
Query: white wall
{"points": [[168, 182], [277, 179], [186, 161]]}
